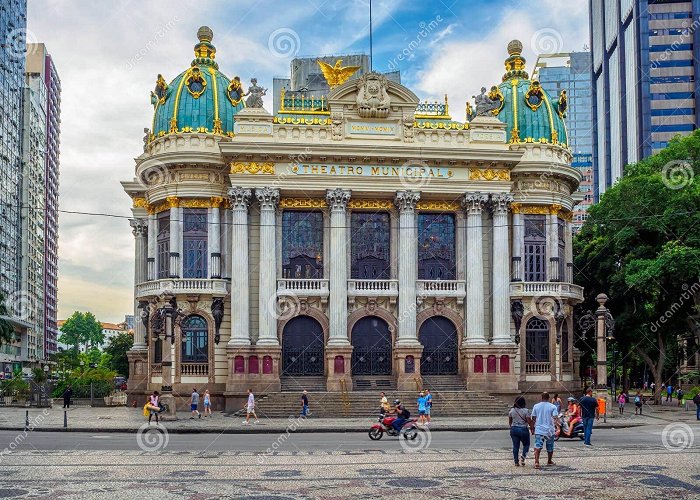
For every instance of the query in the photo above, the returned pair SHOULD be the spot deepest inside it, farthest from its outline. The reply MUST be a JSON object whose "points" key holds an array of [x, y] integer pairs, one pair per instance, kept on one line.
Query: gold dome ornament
{"points": [[515, 64], [562, 104]]}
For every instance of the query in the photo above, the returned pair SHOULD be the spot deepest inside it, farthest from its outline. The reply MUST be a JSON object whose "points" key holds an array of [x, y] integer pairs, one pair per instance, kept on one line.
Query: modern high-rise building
{"points": [[571, 72], [645, 58], [40, 63], [13, 25]]}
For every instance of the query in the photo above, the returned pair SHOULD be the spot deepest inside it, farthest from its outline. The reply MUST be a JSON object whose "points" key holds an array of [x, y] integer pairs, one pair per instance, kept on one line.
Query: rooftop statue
{"points": [[336, 75], [484, 103], [256, 94]]}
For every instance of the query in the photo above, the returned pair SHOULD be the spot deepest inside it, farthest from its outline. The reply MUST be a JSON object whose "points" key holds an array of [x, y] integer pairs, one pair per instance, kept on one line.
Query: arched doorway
{"points": [[371, 347], [302, 347], [439, 338]]}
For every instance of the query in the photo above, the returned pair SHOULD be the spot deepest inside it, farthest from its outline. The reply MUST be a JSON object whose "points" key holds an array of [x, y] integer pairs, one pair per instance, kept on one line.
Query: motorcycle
{"points": [[564, 428], [409, 430]]}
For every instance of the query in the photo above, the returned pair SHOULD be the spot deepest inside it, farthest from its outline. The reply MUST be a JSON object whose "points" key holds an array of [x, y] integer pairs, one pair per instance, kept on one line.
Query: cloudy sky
{"points": [[108, 54]]}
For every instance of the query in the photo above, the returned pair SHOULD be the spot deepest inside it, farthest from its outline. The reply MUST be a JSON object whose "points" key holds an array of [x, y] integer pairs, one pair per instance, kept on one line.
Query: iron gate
{"points": [[302, 347], [439, 338], [371, 347], [439, 361]]}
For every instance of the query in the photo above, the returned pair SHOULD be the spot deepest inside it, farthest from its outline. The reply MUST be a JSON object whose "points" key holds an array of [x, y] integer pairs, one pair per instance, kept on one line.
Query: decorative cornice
{"points": [[239, 198], [338, 198], [500, 203], [303, 203], [371, 204], [268, 197], [489, 174], [406, 201], [473, 203], [195, 203], [265, 168], [553, 209], [437, 206]]}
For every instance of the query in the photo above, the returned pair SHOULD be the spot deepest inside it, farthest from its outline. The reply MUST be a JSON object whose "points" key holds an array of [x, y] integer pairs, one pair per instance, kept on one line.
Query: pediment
{"points": [[370, 95]]}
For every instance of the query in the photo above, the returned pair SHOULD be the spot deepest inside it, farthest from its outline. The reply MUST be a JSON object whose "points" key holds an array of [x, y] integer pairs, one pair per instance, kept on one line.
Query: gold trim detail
{"points": [[140, 203], [535, 90], [438, 206], [371, 204], [516, 208], [240, 167], [217, 201], [236, 85], [496, 95], [195, 74], [290, 120], [489, 174], [553, 209], [303, 203], [195, 203], [173, 201]]}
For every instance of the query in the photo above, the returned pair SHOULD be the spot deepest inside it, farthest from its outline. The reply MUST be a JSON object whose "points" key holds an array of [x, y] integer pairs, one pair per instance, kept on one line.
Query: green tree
{"points": [[117, 349], [82, 329], [7, 333], [641, 246]]}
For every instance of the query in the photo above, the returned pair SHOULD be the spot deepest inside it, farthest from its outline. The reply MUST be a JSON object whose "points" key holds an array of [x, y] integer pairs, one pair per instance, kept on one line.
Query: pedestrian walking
{"points": [[383, 404], [428, 405], [669, 393], [556, 401], [304, 405], [679, 396], [421, 407], [207, 403], [153, 406], [621, 400], [67, 395], [653, 387], [696, 400], [520, 424], [194, 404], [589, 411], [544, 417], [646, 385], [638, 400], [250, 408]]}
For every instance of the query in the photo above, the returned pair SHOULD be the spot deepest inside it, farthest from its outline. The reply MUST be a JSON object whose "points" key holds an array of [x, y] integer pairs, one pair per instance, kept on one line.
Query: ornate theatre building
{"points": [[355, 239]]}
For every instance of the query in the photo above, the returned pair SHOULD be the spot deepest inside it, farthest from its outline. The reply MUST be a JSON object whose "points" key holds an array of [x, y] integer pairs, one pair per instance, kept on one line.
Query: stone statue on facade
{"points": [[217, 312], [484, 103], [517, 311], [256, 94], [372, 98]]}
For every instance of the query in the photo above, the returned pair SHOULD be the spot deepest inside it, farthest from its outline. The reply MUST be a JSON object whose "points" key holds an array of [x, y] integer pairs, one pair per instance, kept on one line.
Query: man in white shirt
{"points": [[544, 414], [250, 408]]}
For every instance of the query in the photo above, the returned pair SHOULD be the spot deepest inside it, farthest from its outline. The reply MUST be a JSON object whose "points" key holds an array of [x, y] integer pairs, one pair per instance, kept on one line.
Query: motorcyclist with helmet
{"points": [[573, 416], [402, 416]]}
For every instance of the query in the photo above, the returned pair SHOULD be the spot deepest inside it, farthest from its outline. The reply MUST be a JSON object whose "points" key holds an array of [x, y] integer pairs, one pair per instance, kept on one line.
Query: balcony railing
{"points": [[537, 368], [440, 288], [373, 289], [546, 288], [194, 369], [303, 288], [182, 286]]}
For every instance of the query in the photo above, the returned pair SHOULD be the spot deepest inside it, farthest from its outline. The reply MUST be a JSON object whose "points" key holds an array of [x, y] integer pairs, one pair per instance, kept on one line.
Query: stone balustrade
{"points": [[440, 288], [563, 291], [194, 369], [169, 287], [372, 289], [537, 368]]}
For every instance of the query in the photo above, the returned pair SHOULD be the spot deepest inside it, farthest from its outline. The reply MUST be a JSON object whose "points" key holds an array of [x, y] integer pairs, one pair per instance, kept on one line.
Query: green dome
{"points": [[200, 99], [531, 113]]}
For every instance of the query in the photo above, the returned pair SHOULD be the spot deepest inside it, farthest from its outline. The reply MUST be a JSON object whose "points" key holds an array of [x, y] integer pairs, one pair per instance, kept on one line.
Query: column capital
{"points": [[268, 197], [406, 201], [240, 197], [217, 201], [500, 202], [338, 199], [473, 203], [173, 201], [139, 227]]}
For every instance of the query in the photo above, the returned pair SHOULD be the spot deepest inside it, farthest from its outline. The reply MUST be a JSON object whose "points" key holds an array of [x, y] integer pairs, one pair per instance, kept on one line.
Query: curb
{"points": [[262, 430]]}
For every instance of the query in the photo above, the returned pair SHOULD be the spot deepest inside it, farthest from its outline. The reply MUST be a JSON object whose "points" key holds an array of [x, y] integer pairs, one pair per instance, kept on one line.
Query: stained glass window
{"points": [[194, 243], [436, 247], [537, 340], [163, 244], [371, 240], [195, 340], [302, 244], [535, 248]]}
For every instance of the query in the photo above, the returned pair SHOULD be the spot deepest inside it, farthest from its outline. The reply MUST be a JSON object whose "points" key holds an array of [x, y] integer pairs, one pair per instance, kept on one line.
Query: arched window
{"points": [[436, 247], [370, 246], [195, 340], [537, 340]]}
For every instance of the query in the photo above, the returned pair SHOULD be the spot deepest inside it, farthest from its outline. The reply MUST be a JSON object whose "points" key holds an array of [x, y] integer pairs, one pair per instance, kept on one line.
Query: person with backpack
{"points": [[696, 400], [638, 403], [679, 395]]}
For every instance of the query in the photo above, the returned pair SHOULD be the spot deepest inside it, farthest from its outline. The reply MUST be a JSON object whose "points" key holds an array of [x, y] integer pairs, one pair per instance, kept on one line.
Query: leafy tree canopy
{"points": [[81, 329]]}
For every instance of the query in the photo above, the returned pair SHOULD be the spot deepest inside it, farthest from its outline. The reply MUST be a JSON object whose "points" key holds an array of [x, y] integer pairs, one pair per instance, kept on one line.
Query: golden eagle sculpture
{"points": [[336, 75]]}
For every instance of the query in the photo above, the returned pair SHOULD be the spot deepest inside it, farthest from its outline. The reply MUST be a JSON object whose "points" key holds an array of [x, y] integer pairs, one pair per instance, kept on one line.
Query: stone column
{"points": [[408, 266], [140, 230], [240, 319], [175, 239], [500, 275], [152, 245], [473, 204], [338, 307], [267, 291], [518, 238], [215, 237]]}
